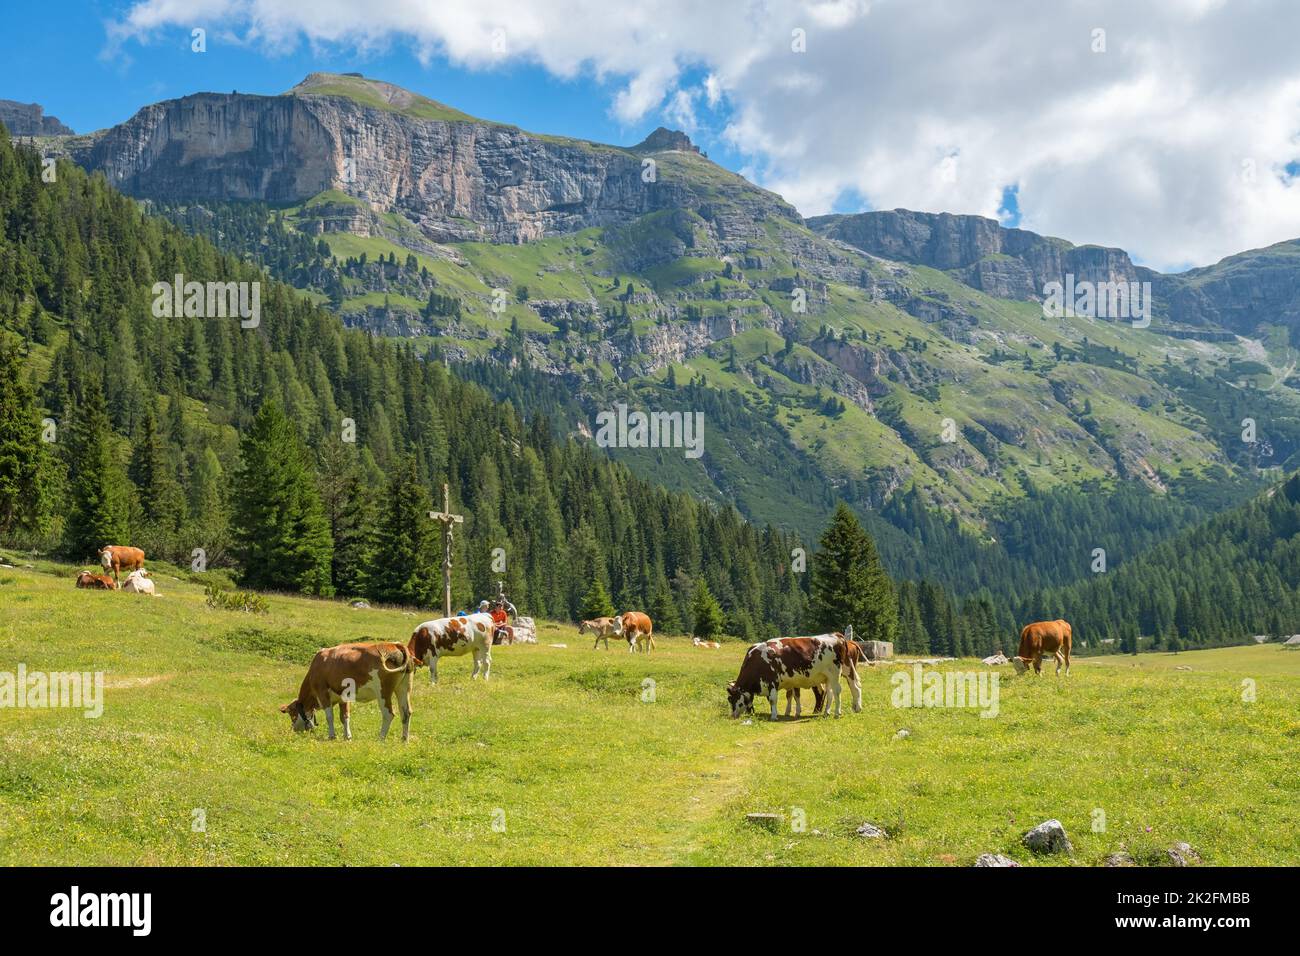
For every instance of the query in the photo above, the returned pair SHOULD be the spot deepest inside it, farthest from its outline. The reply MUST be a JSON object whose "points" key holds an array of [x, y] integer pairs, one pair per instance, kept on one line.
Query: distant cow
{"points": [[452, 637], [139, 582], [695, 641], [352, 673], [792, 694], [638, 630], [116, 557], [86, 579], [603, 628], [794, 662], [1044, 637]]}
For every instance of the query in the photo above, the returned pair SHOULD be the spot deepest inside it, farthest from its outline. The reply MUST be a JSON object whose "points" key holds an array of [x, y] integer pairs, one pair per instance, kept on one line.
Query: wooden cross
{"points": [[448, 520]]}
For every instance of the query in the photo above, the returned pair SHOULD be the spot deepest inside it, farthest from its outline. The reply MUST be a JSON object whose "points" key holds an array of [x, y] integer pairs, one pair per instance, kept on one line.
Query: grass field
{"points": [[563, 755]]}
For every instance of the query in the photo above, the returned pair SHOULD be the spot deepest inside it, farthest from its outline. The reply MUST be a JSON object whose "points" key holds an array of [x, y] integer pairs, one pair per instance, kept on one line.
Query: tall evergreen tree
{"points": [[406, 569], [849, 584], [281, 536], [706, 613], [25, 478], [100, 492]]}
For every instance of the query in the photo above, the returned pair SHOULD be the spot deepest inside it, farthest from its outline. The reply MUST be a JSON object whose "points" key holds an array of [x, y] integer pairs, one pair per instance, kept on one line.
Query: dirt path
{"points": [[710, 793]]}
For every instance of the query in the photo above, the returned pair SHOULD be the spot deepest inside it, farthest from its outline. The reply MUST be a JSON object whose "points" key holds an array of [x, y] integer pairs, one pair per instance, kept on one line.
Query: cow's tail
{"points": [[395, 658], [850, 665]]}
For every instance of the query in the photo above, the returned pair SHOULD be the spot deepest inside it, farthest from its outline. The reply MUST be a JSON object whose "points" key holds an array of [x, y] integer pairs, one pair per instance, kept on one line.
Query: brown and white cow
{"points": [[452, 637], [115, 558], [86, 579], [603, 628], [794, 662], [819, 693], [1044, 637], [352, 673], [638, 630]]}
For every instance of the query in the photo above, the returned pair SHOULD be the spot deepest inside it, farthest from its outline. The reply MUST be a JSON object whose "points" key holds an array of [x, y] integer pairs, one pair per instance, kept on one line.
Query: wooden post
{"points": [[447, 519]]}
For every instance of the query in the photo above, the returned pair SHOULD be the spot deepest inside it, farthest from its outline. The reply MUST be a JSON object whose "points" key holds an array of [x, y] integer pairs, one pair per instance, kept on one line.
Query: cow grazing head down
{"points": [[1021, 665], [301, 721], [742, 701]]}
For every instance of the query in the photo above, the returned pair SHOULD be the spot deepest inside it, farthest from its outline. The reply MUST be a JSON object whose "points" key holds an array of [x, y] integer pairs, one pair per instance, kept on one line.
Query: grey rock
{"points": [[994, 859], [1048, 837], [29, 119], [871, 832], [1182, 854], [1119, 859]]}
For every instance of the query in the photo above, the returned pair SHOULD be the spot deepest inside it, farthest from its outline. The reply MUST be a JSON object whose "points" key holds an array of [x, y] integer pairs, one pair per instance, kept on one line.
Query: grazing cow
{"points": [[856, 656], [602, 627], [86, 579], [452, 637], [638, 630], [793, 662], [116, 557], [139, 582], [1044, 637], [352, 673]]}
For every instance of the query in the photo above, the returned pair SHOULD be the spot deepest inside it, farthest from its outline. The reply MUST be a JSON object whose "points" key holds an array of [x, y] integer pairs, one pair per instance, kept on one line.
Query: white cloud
{"points": [[1141, 146]]}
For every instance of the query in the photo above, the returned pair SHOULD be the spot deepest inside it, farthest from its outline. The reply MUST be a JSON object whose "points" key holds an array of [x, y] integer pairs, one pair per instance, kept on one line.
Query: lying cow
{"points": [[352, 673], [452, 637], [638, 630], [819, 693], [794, 662], [1044, 637], [603, 628], [101, 581], [139, 582], [696, 642], [115, 558]]}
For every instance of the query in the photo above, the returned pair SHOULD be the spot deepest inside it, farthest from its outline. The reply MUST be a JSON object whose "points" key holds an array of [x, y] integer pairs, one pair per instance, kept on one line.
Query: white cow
{"points": [[452, 637], [139, 582]]}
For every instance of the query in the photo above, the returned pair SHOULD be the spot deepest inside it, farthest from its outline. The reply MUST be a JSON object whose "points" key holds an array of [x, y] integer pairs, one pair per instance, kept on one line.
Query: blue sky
{"points": [[71, 71]]}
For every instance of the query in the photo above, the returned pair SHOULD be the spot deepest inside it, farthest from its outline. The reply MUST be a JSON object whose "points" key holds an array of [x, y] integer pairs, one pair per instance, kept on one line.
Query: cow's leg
{"points": [[404, 701], [1059, 661], [487, 662], [329, 719], [385, 702], [791, 696], [433, 668], [832, 697], [345, 711], [1038, 663], [855, 693], [771, 699], [1067, 662]]}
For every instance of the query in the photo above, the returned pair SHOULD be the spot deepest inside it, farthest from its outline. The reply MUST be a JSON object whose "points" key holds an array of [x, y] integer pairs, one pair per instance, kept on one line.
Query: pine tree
{"points": [[706, 614], [849, 584], [406, 571], [281, 536], [100, 492], [596, 602], [25, 479]]}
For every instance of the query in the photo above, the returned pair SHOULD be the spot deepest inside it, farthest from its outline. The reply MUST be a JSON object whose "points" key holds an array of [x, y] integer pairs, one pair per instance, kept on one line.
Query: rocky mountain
{"points": [[454, 177], [29, 119], [853, 356]]}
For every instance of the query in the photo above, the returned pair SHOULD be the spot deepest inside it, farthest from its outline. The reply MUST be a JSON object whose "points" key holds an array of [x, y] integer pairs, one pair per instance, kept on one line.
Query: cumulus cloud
{"points": [[1163, 127]]}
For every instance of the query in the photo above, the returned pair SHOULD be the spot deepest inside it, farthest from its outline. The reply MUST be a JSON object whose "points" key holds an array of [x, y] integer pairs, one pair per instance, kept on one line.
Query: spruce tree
{"points": [[281, 537], [596, 602], [24, 463], [706, 613], [849, 584], [100, 492], [406, 569]]}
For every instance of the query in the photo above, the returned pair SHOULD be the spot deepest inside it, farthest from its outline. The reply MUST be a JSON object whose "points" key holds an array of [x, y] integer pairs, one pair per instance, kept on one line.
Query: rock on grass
{"points": [[994, 859], [1048, 837]]}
